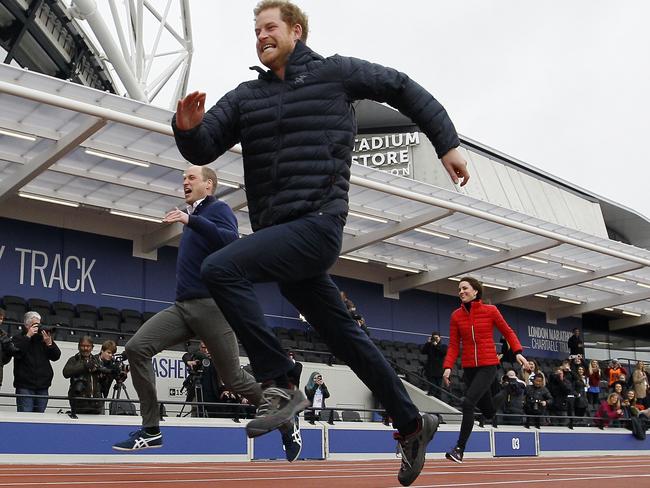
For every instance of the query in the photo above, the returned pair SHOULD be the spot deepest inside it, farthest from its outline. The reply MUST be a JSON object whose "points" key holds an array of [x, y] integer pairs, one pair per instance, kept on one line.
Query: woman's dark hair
{"points": [[474, 283]]}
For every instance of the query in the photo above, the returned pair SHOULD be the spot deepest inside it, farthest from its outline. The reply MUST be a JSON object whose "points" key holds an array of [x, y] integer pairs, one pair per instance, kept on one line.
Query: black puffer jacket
{"points": [[297, 134]]}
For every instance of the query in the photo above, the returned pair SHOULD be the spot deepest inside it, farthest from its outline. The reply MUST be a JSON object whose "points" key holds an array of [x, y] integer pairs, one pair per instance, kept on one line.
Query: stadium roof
{"points": [[94, 150]]}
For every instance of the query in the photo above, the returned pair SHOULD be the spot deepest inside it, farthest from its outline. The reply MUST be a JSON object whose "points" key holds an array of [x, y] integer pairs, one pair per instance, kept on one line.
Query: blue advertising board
{"points": [[510, 444]]}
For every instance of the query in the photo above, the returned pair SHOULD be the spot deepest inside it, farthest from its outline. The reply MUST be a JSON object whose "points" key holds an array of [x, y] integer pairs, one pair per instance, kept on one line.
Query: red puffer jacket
{"points": [[474, 328]]}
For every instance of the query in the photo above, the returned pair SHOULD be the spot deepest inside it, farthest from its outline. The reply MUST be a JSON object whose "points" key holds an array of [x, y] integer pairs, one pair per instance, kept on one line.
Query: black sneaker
{"points": [[139, 440], [455, 455], [278, 406], [291, 440], [413, 448]]}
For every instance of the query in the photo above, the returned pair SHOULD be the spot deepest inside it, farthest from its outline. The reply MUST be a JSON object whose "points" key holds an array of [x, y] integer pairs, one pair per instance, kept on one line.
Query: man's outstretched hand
{"points": [[190, 110], [456, 166]]}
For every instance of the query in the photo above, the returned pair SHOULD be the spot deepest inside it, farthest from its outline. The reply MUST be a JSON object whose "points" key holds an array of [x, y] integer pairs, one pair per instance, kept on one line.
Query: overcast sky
{"points": [[560, 85]]}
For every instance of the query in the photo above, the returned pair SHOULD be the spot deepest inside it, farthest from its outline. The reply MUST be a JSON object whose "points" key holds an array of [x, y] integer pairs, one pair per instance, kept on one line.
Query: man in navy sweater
{"points": [[209, 226]]}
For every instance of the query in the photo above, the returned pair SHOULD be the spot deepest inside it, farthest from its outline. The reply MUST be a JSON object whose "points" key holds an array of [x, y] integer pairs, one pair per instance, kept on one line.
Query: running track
{"points": [[591, 472]]}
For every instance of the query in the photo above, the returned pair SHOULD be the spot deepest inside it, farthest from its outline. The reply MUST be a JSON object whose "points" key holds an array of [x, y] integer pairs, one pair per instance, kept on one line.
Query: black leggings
{"points": [[478, 382]]}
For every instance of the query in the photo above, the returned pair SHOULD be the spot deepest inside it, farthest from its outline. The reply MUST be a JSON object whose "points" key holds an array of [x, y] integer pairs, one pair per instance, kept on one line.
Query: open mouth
{"points": [[266, 47], [187, 191]]}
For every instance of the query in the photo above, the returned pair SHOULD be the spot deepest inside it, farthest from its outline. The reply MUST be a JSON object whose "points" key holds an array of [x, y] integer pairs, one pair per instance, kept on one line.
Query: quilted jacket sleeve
{"points": [[363, 79], [218, 132]]}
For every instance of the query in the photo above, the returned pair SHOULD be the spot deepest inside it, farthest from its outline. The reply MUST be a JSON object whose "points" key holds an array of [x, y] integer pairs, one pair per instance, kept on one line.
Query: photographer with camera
{"points": [[510, 400], [537, 402], [202, 383], [85, 373], [7, 346], [115, 368], [435, 351], [33, 372]]}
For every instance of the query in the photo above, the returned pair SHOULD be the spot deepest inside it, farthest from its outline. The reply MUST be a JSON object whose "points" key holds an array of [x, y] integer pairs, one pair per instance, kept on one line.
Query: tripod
{"points": [[118, 389], [194, 389], [117, 408]]}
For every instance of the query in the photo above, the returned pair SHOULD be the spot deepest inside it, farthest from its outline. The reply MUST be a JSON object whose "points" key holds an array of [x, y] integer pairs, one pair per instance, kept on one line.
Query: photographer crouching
{"points": [[91, 376]]}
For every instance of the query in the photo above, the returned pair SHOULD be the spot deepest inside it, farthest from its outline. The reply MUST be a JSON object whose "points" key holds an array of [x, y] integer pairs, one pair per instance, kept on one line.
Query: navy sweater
{"points": [[212, 226]]}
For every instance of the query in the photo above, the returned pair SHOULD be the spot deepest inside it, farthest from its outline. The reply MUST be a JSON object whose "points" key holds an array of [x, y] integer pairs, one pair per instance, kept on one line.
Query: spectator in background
{"points": [[203, 377], [7, 347], [580, 382], [620, 382], [105, 356], [630, 405], [356, 316], [533, 371], [575, 343], [608, 411], [640, 383], [537, 401], [560, 389], [618, 389], [570, 376], [316, 392], [577, 361], [85, 374], [296, 372], [593, 392], [33, 372], [435, 351], [349, 305], [511, 398], [507, 357], [614, 370]]}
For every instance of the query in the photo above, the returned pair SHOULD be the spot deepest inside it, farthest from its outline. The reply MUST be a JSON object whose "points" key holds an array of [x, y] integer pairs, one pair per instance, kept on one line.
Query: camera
{"points": [[116, 369], [202, 362], [78, 385], [8, 346]]}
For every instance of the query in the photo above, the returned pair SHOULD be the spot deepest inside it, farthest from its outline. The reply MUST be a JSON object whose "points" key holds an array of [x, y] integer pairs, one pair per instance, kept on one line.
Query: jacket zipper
{"points": [[475, 348], [274, 166]]}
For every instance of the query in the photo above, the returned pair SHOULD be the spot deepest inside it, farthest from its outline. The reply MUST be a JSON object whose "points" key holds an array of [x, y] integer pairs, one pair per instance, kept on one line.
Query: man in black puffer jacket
{"points": [[296, 127]]}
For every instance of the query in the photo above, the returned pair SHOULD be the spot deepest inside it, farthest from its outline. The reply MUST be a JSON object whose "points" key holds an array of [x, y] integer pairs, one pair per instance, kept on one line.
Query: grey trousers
{"points": [[182, 321]]}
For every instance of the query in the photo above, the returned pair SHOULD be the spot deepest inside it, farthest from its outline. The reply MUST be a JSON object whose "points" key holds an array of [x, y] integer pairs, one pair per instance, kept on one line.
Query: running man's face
{"points": [[275, 39], [194, 186]]}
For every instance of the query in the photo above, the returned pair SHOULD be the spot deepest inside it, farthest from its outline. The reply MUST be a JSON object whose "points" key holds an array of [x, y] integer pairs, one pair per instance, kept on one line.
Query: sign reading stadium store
{"points": [[388, 152]]}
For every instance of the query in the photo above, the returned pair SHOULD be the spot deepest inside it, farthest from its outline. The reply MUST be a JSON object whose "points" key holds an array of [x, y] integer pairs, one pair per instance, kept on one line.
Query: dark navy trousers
{"points": [[297, 255]]}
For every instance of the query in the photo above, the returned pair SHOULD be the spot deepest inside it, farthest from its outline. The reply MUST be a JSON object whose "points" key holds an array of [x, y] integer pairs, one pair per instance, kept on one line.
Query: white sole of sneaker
{"points": [[451, 458], [139, 449]]}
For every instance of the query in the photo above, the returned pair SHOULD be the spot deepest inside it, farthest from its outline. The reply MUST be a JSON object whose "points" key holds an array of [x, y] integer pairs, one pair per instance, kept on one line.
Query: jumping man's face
{"points": [[275, 39]]}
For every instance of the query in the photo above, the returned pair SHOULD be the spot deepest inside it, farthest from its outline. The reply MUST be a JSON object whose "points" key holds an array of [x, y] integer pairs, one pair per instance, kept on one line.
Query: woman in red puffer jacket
{"points": [[473, 324]]}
